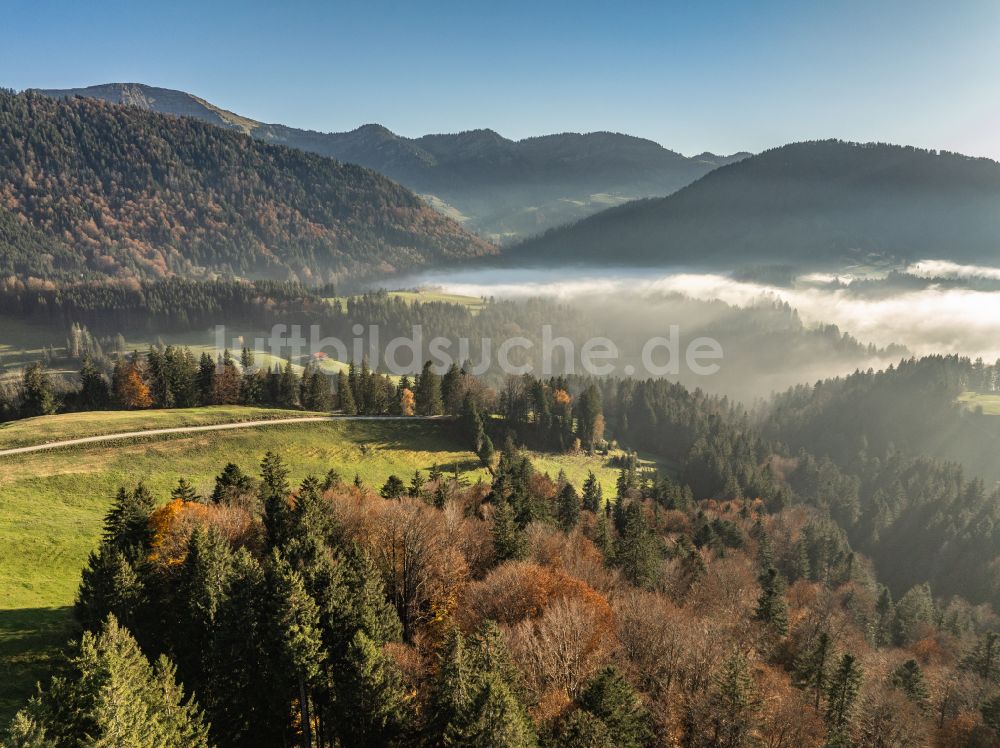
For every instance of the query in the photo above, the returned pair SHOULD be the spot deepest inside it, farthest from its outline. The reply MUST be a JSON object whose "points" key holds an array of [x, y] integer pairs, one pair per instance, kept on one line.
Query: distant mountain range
{"points": [[502, 189], [806, 204], [91, 190]]}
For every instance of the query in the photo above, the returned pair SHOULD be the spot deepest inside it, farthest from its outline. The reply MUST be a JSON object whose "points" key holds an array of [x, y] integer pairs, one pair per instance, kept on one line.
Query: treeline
{"points": [[765, 343], [162, 306], [170, 377], [102, 191], [525, 612]]}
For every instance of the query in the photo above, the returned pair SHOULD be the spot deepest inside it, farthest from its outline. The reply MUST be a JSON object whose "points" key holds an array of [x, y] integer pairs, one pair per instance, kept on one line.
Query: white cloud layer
{"points": [[932, 320]]}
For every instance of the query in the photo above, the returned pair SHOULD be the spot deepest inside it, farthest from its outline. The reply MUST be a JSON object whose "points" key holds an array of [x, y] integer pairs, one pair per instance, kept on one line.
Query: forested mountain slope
{"points": [[91, 189], [504, 188], [807, 203]]}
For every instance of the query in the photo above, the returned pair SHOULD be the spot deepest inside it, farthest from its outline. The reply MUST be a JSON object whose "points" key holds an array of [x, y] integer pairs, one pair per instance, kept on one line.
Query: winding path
{"points": [[196, 429]]}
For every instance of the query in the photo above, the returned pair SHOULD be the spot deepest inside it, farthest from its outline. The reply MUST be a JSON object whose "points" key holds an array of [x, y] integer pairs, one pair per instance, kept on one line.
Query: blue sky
{"points": [[720, 76]]}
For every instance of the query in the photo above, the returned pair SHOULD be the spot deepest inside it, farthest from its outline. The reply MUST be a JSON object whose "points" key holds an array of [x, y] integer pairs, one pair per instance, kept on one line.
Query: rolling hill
{"points": [[501, 188], [88, 189], [809, 204]]}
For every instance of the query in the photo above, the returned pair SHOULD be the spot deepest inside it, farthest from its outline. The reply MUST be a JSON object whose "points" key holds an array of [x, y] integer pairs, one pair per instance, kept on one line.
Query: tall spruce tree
{"points": [[841, 694], [508, 540], [592, 494], [274, 491], [610, 698], [112, 696], [37, 396], [94, 393], [568, 509], [428, 392], [371, 698], [771, 606]]}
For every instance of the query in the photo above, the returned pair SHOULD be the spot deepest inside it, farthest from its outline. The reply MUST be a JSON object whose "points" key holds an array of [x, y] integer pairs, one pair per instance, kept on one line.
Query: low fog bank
{"points": [[928, 318]]}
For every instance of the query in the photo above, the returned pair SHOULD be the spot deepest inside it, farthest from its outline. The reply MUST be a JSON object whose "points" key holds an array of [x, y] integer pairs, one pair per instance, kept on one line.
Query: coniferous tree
{"points": [[771, 606], [202, 586], [812, 668], [472, 423], [733, 705], [508, 540], [589, 419], [428, 392], [568, 509], [372, 699], [454, 689], [227, 381], [451, 390], [592, 495], [476, 695], [440, 495], [884, 614], [231, 484], [914, 610], [274, 490], [990, 709], [126, 525], [94, 393], [184, 491], [37, 395], [332, 480], [394, 488], [112, 696], [247, 699], [416, 488], [486, 452], [610, 698], [247, 360], [109, 585], [295, 630], [984, 660], [288, 387], [909, 679], [636, 550], [581, 729], [841, 693], [499, 718], [206, 379]]}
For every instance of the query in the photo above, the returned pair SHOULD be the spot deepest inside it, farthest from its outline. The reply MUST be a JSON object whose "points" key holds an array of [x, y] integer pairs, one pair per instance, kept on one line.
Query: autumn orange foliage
{"points": [[172, 525]]}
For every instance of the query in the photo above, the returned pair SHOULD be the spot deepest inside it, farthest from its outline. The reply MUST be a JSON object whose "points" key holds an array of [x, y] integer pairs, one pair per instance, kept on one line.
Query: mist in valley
{"points": [[773, 335]]}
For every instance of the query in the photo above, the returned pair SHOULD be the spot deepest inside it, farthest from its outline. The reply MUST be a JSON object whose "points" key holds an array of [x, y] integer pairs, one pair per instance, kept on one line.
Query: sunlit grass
{"points": [[990, 403], [47, 429]]}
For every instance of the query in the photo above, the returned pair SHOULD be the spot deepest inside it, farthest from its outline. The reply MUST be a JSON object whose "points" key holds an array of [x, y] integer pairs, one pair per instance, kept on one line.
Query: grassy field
{"points": [[46, 429], [53, 502], [990, 403]]}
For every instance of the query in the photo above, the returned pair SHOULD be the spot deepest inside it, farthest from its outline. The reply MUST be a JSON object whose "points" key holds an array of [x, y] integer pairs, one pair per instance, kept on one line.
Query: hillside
{"points": [[55, 500], [91, 189], [504, 188], [806, 203]]}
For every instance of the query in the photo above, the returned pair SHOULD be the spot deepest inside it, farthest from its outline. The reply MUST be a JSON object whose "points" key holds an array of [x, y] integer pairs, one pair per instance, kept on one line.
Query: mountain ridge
{"points": [[809, 202], [504, 189], [88, 189]]}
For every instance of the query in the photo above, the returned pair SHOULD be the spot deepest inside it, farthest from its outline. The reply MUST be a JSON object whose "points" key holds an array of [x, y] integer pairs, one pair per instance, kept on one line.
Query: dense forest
{"points": [[918, 517], [520, 612], [505, 188], [766, 345], [808, 204], [94, 190]]}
